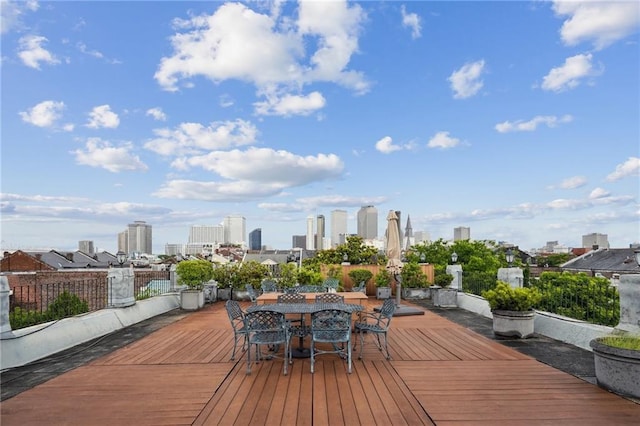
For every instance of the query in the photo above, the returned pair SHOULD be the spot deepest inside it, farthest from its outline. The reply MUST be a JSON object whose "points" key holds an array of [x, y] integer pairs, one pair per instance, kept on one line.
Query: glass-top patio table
{"points": [[304, 308]]}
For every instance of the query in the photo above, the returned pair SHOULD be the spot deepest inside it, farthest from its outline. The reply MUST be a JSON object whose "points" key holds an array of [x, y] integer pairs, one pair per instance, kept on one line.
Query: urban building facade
{"points": [[338, 227], [320, 232], [299, 241], [595, 240], [235, 230], [368, 222], [255, 239], [209, 234], [86, 246], [461, 233], [138, 237], [310, 239]]}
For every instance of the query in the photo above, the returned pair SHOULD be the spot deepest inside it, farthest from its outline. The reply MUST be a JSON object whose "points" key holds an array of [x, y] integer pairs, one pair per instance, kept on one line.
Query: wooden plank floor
{"points": [[441, 373]]}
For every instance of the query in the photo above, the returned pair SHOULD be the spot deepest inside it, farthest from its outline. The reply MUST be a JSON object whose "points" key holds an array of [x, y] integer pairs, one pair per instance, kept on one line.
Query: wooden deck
{"points": [[441, 373]]}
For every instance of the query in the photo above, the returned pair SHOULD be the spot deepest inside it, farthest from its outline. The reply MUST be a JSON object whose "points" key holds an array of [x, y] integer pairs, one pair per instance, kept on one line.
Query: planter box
{"points": [[240, 295], [383, 292], [416, 293], [224, 293], [192, 300], [617, 370], [445, 297], [513, 323]]}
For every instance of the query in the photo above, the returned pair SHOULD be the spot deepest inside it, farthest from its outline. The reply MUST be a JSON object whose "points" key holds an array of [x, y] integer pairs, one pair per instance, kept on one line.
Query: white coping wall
{"points": [[30, 344]]}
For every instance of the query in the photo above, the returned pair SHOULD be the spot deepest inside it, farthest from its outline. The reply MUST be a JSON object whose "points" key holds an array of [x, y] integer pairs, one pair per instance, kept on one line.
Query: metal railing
{"points": [[36, 303]]}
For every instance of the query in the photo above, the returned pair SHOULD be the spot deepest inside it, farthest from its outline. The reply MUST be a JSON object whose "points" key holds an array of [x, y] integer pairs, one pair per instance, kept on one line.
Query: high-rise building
{"points": [[320, 233], [209, 234], [368, 222], [338, 227], [255, 239], [310, 239], [461, 233], [600, 241], [299, 241], [235, 230], [86, 247], [421, 237], [174, 249], [139, 238]]}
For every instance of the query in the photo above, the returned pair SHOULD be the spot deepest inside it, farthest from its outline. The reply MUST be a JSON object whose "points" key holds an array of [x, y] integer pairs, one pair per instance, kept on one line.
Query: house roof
{"points": [[620, 260]]}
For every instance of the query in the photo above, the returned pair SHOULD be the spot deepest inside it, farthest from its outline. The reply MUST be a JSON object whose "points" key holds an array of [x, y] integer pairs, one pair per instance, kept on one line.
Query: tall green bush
{"points": [[360, 275]]}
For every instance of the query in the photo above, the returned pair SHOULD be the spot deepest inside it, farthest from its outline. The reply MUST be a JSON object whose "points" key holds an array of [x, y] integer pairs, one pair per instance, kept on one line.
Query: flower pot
{"points": [[416, 293], [383, 292], [445, 297], [617, 369], [224, 293], [191, 300], [513, 323]]}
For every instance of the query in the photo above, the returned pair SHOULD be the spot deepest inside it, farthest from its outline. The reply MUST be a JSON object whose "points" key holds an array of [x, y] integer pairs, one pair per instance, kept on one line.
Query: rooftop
{"points": [[446, 368]]}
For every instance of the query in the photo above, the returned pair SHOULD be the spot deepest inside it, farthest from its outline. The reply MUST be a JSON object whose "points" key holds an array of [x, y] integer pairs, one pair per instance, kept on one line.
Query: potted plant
{"points": [[442, 294], [383, 281], [251, 272], [415, 283], [360, 276], [224, 276], [512, 309], [194, 274], [617, 363]]}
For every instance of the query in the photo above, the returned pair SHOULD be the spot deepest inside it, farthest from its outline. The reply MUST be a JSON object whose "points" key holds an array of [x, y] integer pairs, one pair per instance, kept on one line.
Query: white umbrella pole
{"points": [[398, 279]]}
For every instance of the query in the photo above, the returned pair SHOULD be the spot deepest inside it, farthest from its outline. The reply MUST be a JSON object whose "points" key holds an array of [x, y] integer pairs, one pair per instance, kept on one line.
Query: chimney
{"points": [[69, 257], [594, 247]]}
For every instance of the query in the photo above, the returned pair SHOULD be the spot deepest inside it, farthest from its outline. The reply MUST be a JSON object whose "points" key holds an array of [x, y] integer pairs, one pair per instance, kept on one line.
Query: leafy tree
{"points": [[251, 272], [309, 276], [288, 275], [194, 273]]}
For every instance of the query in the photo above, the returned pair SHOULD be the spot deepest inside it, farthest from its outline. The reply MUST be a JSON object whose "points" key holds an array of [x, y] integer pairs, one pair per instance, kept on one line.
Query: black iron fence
{"points": [[36, 302]]}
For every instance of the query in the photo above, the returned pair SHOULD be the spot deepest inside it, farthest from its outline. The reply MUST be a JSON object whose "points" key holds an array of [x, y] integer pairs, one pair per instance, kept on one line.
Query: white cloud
{"points": [[386, 146], [323, 201], [442, 140], [99, 153], [11, 13], [288, 105], [412, 21], [599, 193], [531, 125], [573, 182], [568, 75], [631, 167], [157, 114], [193, 138], [102, 116], [83, 48], [31, 52], [239, 43], [44, 114], [603, 22], [265, 165], [217, 191], [466, 81]]}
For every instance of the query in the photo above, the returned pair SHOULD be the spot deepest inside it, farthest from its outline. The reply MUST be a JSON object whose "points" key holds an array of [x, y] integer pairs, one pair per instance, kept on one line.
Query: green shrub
{"points": [[382, 278], [360, 275], [66, 305], [413, 277], [307, 276], [21, 318], [194, 273], [622, 342], [442, 278], [506, 298]]}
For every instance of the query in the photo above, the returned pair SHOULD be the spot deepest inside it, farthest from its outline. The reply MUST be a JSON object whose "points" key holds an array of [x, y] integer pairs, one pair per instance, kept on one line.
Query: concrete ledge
{"points": [[29, 344], [558, 327]]}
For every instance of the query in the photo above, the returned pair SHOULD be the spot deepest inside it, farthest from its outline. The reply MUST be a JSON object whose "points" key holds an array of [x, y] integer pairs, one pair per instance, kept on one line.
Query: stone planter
{"points": [[513, 323], [240, 295], [617, 370], [445, 297], [191, 300], [416, 293], [224, 293], [383, 292]]}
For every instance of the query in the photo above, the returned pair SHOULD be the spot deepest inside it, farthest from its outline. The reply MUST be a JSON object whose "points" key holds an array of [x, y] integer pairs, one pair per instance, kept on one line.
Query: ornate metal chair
{"points": [[236, 316], [253, 294], [331, 326], [329, 298], [331, 284], [361, 287], [267, 328], [376, 324], [309, 289], [269, 286]]}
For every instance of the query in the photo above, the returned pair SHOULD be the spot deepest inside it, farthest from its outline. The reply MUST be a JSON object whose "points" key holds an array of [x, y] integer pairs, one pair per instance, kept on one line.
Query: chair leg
{"points": [[249, 359], [361, 344], [386, 348], [349, 356], [313, 358]]}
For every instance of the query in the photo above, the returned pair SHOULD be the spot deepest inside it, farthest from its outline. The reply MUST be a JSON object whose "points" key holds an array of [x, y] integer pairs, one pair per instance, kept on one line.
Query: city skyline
{"points": [[516, 119]]}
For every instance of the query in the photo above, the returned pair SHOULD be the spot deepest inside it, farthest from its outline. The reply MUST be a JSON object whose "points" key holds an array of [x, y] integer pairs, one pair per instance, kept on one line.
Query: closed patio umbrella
{"points": [[394, 263]]}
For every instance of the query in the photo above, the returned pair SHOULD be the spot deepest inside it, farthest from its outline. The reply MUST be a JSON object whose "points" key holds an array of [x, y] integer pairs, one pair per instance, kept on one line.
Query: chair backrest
{"points": [[265, 321], [329, 298], [292, 298], [253, 295], [310, 289], [269, 286], [361, 287], [331, 283], [386, 313], [235, 313], [331, 325]]}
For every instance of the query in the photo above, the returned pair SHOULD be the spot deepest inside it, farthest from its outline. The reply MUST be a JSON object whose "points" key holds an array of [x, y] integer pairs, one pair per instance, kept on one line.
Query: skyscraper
{"points": [[86, 247], [320, 233], [595, 239], [209, 234], [310, 239], [461, 233], [368, 222], [235, 230], [139, 238], [255, 239], [338, 227]]}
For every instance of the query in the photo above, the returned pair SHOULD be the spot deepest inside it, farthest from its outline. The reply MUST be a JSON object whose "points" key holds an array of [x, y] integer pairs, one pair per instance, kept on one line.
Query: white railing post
{"points": [[5, 291]]}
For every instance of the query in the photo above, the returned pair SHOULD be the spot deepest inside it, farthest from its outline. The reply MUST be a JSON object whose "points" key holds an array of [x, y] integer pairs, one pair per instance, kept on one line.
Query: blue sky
{"points": [[520, 120]]}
